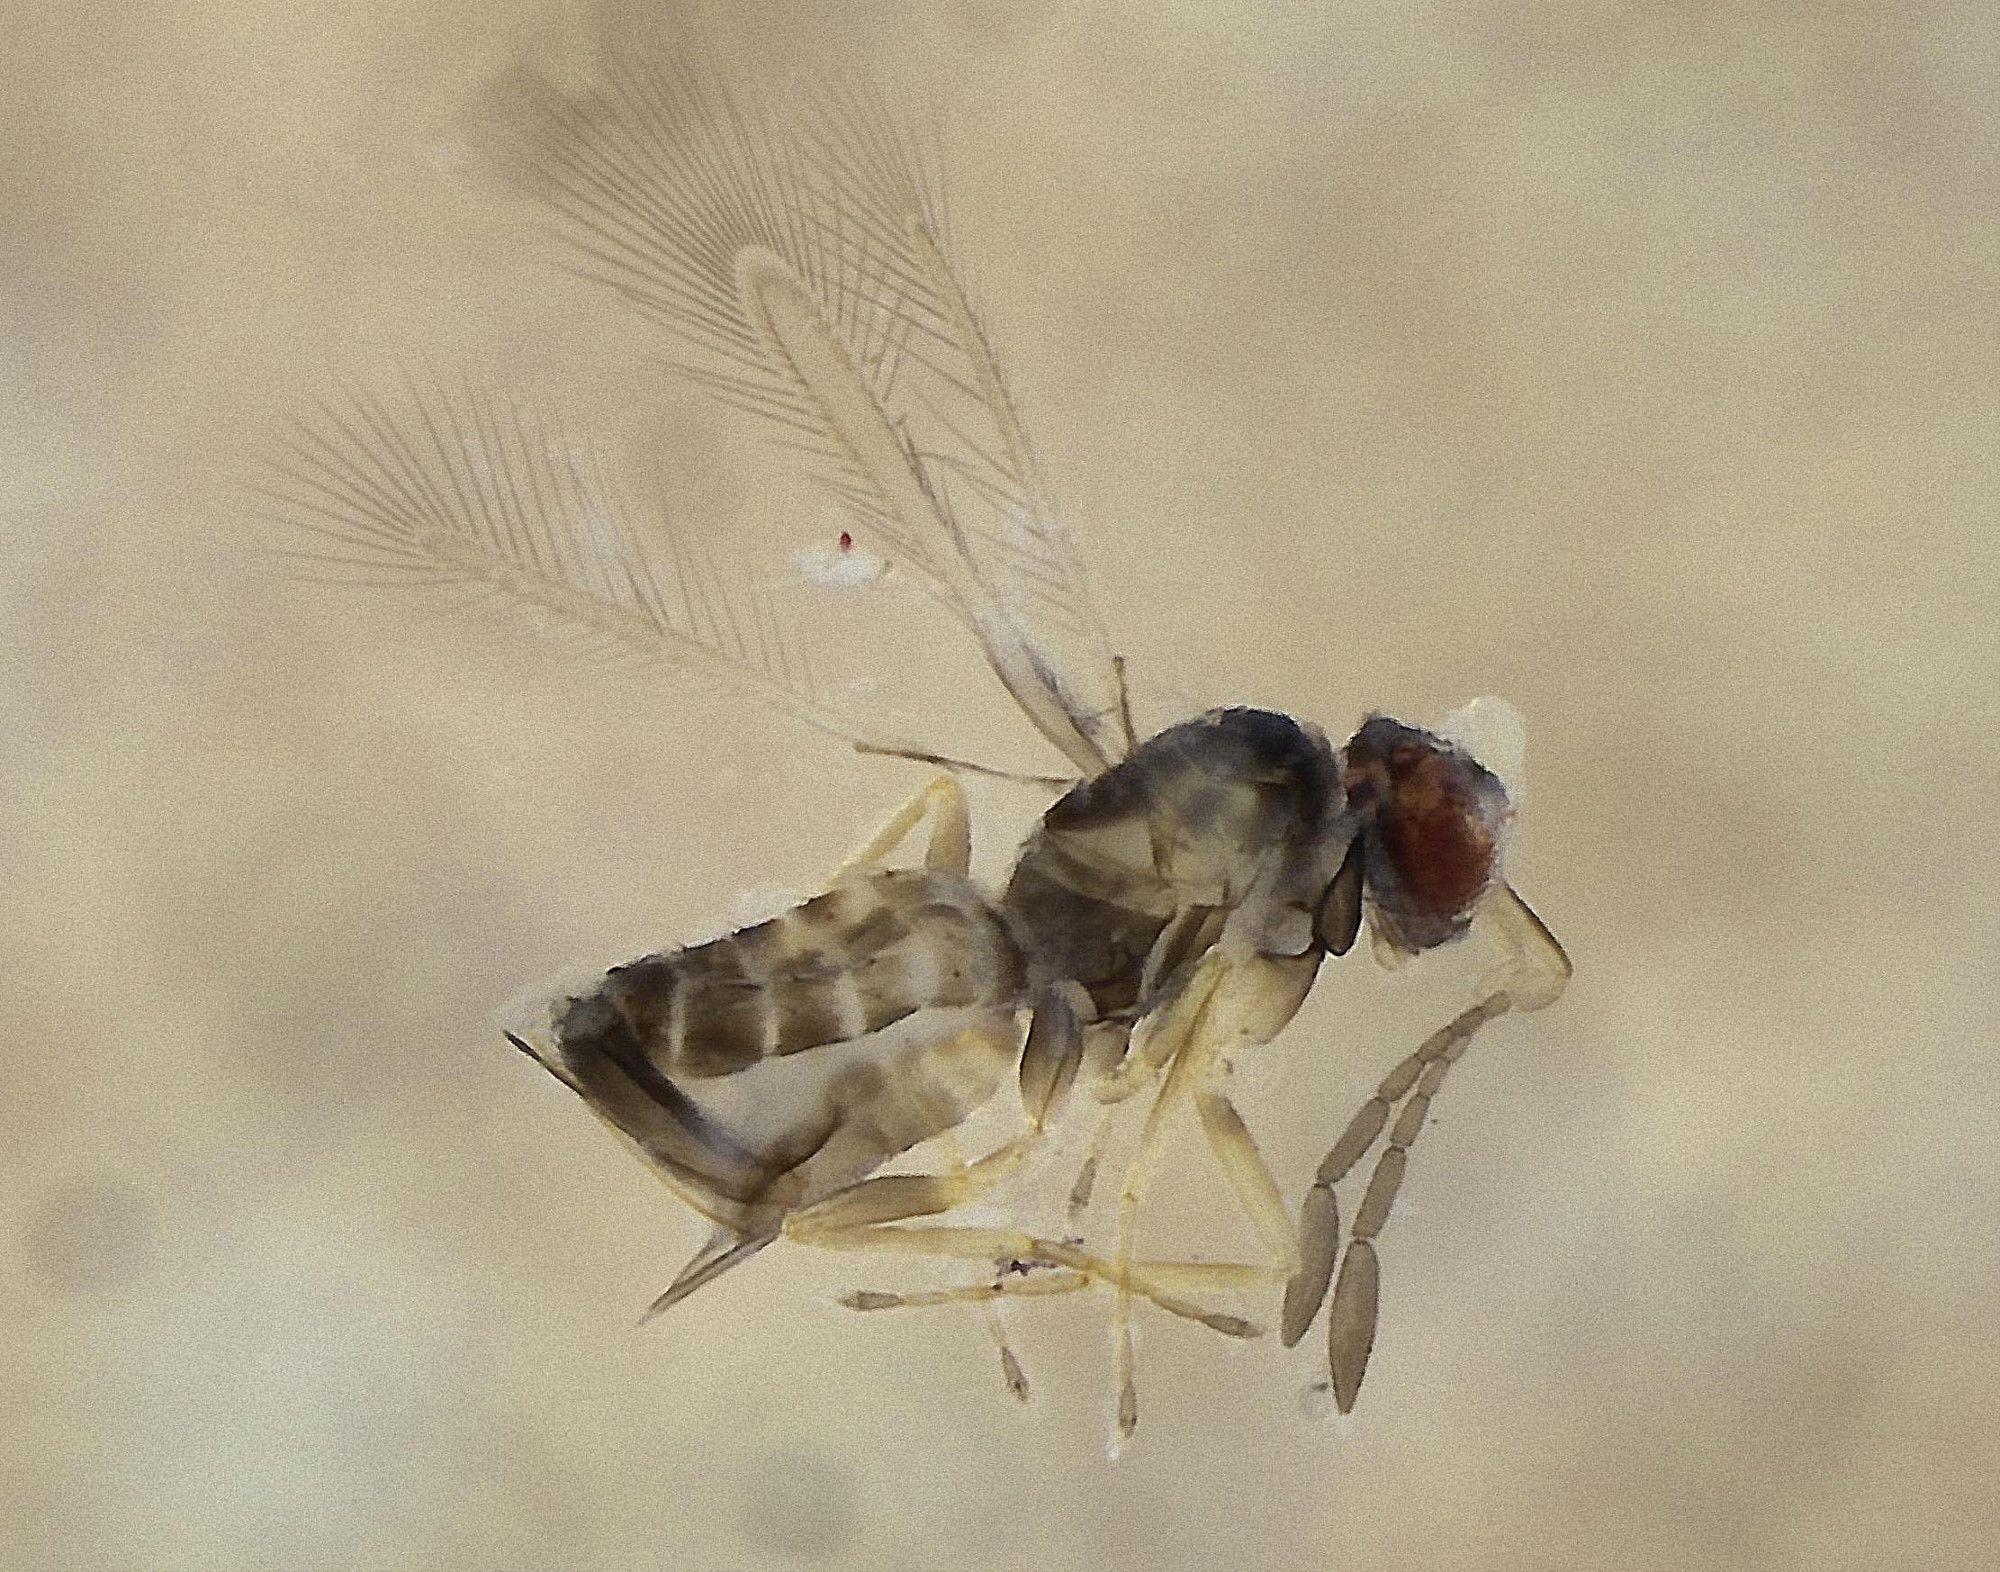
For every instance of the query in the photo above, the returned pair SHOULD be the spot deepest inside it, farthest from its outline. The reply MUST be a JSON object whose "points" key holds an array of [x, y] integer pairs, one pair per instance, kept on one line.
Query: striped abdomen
{"points": [[840, 966]]}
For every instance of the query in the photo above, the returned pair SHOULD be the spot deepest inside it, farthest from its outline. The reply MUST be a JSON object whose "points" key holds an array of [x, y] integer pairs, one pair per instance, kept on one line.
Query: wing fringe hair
{"points": [[461, 492], [806, 268], [802, 272]]}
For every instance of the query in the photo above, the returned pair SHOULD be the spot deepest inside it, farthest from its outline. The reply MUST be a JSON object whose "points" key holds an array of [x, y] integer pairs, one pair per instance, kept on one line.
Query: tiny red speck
{"points": [[846, 541]]}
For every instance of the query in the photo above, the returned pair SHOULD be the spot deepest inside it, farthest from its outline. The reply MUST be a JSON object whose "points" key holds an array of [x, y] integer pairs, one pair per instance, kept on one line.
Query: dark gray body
{"points": [[1190, 822], [765, 1070]]}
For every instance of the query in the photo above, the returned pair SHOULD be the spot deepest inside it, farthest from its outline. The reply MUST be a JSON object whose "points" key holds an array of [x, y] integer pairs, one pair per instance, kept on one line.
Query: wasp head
{"points": [[1430, 823]]}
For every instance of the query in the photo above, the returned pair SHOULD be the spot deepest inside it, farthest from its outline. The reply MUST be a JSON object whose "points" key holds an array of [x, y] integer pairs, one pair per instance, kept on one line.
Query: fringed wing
{"points": [[806, 269], [462, 492]]}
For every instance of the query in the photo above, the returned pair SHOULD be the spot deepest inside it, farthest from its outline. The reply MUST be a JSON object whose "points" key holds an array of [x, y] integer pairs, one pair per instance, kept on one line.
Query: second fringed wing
{"points": [[803, 270]]}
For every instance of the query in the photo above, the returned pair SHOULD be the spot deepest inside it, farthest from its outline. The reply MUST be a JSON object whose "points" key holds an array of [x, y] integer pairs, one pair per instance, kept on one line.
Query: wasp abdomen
{"points": [[842, 965]]}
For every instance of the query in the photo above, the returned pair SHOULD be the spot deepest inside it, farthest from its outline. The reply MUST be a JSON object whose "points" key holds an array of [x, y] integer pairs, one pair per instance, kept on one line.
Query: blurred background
{"points": [[1634, 362]]}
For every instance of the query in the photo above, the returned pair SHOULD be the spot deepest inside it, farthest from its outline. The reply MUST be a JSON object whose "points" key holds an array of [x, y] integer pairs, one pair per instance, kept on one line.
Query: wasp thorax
{"points": [[1432, 820]]}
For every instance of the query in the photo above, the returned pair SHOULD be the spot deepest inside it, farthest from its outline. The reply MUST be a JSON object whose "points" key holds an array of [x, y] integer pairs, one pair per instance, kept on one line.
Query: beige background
{"points": [[1635, 362]]}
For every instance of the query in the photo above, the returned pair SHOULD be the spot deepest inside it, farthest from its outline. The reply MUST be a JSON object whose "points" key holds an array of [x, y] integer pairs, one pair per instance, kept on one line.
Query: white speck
{"points": [[1494, 733], [836, 566]]}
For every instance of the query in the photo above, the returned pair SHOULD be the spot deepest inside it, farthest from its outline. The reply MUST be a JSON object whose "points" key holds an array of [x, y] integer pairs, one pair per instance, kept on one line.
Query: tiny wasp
{"points": [[1170, 910]]}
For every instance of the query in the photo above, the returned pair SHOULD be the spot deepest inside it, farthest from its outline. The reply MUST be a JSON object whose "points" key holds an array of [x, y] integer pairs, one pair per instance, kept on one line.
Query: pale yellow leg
{"points": [[1040, 1285], [866, 1216], [1237, 1153], [1154, 1042], [1186, 1063], [1086, 1174], [1159, 1276], [989, 1313], [949, 849], [1227, 1003], [1010, 1367], [1192, 931], [1103, 1051]]}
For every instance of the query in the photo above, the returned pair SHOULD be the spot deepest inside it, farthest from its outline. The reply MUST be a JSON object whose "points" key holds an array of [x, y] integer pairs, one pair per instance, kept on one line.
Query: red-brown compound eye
{"points": [[1435, 818]]}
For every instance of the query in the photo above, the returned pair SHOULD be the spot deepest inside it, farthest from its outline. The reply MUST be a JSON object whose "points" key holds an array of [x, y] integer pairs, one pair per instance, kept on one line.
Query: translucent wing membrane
{"points": [[806, 269], [462, 492]]}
